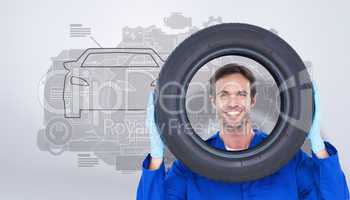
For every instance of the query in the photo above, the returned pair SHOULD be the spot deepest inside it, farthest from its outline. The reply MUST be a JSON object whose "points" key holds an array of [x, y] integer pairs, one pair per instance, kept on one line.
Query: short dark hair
{"points": [[233, 68]]}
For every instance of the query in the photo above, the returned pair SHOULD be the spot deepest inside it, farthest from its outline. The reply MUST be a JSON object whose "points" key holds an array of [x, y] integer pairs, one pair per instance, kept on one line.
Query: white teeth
{"points": [[233, 113]]}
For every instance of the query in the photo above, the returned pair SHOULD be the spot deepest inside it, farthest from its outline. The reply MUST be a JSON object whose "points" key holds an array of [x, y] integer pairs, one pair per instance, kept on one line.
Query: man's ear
{"points": [[253, 101], [212, 100]]}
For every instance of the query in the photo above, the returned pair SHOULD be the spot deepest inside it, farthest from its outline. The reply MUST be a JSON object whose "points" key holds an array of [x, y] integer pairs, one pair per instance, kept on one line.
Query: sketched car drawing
{"points": [[110, 79], [100, 79]]}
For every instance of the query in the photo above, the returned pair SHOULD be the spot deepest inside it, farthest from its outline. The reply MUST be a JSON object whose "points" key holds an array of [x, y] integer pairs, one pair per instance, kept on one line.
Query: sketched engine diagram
{"points": [[95, 99]]}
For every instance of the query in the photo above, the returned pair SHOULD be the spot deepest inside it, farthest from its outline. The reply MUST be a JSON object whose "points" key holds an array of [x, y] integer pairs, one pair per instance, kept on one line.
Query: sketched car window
{"points": [[110, 79], [120, 59]]}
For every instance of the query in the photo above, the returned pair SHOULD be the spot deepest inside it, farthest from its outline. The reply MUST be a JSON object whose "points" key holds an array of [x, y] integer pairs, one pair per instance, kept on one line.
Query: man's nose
{"points": [[232, 100]]}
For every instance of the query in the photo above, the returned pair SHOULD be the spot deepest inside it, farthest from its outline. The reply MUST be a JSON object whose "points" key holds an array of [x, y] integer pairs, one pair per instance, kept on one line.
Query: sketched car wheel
{"points": [[58, 131], [290, 75]]}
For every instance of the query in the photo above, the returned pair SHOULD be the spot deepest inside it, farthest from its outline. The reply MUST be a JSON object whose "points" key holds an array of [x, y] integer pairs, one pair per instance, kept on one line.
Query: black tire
{"points": [[290, 75]]}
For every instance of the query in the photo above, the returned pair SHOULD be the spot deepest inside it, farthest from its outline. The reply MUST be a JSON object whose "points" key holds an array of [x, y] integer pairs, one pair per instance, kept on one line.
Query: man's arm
{"points": [[322, 154], [155, 163], [151, 184], [321, 178], [157, 184]]}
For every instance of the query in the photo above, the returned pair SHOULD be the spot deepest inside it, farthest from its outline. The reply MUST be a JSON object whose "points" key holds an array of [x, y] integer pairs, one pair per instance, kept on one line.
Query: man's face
{"points": [[232, 100]]}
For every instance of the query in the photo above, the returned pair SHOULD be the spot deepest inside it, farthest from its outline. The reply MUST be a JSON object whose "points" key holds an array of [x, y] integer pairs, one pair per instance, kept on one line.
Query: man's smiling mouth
{"points": [[234, 113]]}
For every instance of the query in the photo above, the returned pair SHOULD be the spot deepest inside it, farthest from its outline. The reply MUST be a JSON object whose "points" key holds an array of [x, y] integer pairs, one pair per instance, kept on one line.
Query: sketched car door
{"points": [[110, 79]]}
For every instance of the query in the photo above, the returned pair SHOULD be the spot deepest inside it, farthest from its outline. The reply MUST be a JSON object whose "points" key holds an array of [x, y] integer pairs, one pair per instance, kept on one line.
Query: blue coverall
{"points": [[303, 178]]}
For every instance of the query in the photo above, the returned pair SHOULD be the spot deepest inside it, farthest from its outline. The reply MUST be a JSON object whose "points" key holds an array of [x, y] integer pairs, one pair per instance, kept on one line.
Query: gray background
{"points": [[34, 31]]}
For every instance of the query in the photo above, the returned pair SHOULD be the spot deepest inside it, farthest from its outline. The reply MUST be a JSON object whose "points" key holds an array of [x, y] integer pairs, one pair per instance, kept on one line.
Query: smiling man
{"points": [[233, 94]]}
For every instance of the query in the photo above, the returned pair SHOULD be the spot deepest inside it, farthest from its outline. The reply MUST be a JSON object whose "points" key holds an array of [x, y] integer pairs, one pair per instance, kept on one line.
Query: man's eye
{"points": [[242, 94], [223, 95]]}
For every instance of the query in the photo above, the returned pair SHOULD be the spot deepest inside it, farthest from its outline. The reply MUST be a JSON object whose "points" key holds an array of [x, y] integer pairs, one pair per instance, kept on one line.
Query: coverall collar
{"points": [[217, 142]]}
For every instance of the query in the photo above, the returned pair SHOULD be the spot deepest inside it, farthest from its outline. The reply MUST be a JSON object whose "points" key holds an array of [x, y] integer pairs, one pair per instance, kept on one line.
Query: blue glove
{"points": [[317, 143], [157, 145]]}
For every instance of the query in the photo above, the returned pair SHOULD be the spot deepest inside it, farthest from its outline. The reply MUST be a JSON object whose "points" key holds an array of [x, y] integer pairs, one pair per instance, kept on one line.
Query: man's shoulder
{"points": [[260, 133], [213, 138]]}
